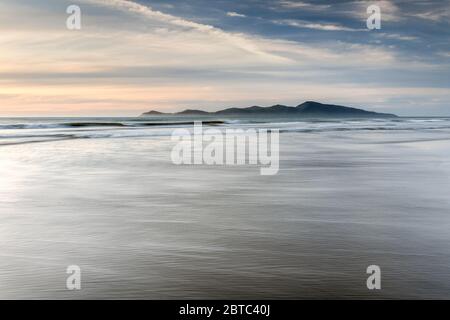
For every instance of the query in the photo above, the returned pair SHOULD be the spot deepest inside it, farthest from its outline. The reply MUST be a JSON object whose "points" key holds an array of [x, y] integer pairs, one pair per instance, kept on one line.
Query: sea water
{"points": [[103, 194]]}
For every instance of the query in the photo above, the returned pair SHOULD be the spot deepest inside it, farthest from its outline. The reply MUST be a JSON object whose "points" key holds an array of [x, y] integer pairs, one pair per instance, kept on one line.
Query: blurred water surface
{"points": [[107, 198]]}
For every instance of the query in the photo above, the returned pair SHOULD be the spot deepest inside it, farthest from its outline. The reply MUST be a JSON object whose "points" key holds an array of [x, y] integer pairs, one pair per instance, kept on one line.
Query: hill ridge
{"points": [[305, 109]]}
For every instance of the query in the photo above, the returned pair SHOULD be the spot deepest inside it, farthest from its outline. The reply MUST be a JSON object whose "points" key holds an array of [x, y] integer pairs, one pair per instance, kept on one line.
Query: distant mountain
{"points": [[309, 109], [189, 112]]}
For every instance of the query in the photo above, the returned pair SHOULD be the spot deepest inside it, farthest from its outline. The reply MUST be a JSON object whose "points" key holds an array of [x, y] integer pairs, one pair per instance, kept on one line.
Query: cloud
{"points": [[390, 12], [356, 9], [434, 15], [302, 5], [444, 54], [395, 36], [234, 39], [235, 14], [315, 26]]}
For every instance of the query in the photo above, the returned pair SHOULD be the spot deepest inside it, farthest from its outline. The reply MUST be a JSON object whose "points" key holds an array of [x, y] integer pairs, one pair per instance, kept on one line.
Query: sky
{"points": [[134, 56]]}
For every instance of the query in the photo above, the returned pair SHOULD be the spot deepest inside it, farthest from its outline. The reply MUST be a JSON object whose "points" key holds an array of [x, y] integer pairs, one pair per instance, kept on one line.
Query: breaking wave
{"points": [[81, 124], [23, 131]]}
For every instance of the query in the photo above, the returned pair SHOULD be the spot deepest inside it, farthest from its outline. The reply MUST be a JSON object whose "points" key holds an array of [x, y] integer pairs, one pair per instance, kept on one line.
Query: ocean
{"points": [[104, 195]]}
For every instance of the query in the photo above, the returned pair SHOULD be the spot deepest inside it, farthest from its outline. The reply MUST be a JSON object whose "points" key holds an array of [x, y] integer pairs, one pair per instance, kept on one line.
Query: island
{"points": [[308, 109]]}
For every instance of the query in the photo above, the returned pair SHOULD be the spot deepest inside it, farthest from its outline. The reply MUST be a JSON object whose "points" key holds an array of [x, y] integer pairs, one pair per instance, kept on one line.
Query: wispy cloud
{"points": [[435, 15], [235, 14], [396, 36], [234, 39], [302, 5], [444, 54], [390, 12], [315, 26]]}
